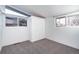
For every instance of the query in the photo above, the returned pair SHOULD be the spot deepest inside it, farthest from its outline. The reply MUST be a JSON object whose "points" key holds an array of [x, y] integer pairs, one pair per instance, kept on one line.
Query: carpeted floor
{"points": [[43, 46]]}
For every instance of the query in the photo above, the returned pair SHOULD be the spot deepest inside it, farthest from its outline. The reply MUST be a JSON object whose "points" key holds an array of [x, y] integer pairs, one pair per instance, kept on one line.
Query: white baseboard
{"points": [[62, 43], [36, 40], [11, 43]]}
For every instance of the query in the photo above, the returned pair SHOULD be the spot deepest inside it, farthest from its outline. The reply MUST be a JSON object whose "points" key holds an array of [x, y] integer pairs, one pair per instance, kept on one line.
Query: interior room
{"points": [[39, 29]]}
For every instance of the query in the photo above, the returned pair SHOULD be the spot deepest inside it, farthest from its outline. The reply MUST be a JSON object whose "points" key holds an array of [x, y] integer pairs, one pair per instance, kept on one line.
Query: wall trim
{"points": [[36, 40], [62, 43]]}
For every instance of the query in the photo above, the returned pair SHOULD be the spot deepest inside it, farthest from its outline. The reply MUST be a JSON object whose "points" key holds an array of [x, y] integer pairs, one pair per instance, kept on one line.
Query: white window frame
{"points": [[75, 19], [60, 22], [18, 17]]}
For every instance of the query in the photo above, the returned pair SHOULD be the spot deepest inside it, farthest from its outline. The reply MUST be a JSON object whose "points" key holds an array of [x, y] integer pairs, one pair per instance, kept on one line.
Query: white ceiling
{"points": [[48, 10]]}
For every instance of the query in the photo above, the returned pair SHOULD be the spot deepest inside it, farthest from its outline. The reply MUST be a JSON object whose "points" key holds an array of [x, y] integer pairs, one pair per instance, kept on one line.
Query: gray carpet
{"points": [[43, 46]]}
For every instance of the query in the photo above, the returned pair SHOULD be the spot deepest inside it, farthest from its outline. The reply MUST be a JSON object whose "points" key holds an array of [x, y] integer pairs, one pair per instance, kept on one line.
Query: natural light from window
{"points": [[60, 22]]}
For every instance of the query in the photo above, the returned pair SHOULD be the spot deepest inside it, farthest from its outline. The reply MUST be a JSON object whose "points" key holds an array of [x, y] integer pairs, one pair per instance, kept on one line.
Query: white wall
{"points": [[12, 35], [34, 31], [37, 28], [2, 17], [65, 35]]}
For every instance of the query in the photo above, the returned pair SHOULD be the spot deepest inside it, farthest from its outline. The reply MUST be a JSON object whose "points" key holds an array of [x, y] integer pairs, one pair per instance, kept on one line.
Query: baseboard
{"points": [[62, 43], [36, 40], [12, 43]]}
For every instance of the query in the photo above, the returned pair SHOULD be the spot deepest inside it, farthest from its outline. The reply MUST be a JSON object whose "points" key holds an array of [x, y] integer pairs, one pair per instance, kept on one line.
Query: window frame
{"points": [[60, 23], [69, 20], [25, 16], [15, 16]]}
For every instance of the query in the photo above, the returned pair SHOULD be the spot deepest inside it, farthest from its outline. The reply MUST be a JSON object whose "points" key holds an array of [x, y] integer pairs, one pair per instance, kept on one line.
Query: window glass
{"points": [[11, 21], [60, 22], [74, 20], [14, 18], [22, 22]]}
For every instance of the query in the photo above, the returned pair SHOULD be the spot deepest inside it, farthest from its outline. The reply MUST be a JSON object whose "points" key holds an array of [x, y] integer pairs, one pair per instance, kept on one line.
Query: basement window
{"points": [[73, 20], [11, 21], [15, 18], [60, 22], [22, 22]]}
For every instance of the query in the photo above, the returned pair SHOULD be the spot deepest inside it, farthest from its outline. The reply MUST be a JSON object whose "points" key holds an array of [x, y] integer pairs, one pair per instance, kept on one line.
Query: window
{"points": [[14, 18], [22, 22], [73, 20], [14, 21], [60, 22], [11, 21]]}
